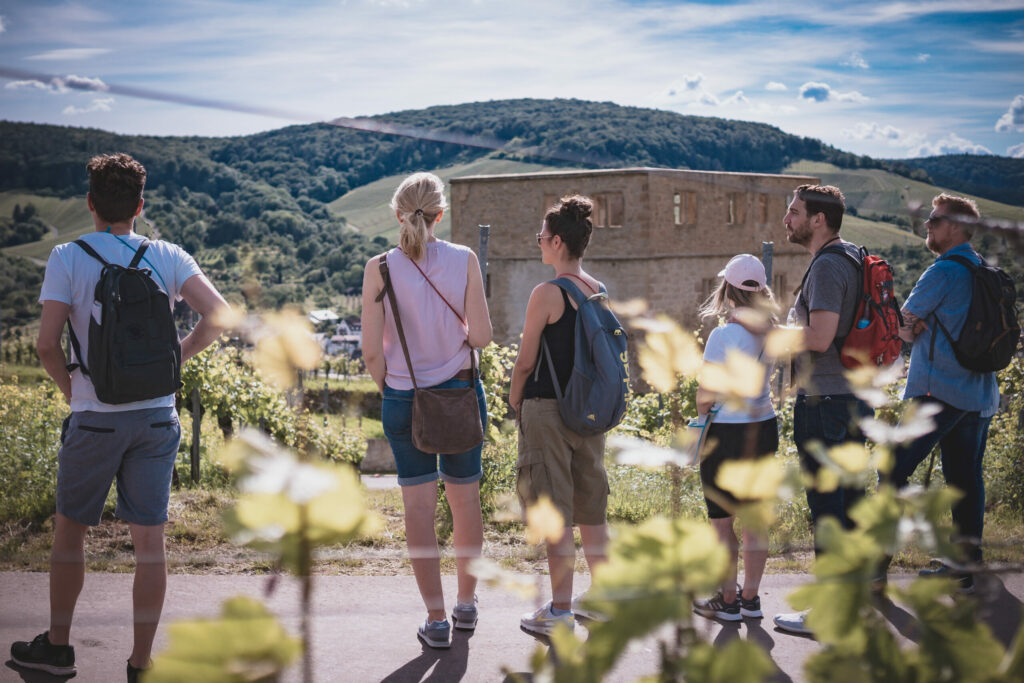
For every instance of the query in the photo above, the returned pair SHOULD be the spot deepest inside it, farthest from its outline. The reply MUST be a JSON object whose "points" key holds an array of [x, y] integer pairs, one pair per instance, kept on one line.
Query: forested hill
{"points": [[992, 177], [323, 161], [255, 208]]}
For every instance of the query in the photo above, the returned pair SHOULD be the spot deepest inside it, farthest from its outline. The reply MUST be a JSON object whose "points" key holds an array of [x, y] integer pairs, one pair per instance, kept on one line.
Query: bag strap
{"points": [[389, 289], [461, 320], [973, 268]]}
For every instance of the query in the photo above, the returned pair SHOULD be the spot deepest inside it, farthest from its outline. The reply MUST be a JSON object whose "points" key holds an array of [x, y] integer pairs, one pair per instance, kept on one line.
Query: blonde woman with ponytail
{"points": [[440, 296]]}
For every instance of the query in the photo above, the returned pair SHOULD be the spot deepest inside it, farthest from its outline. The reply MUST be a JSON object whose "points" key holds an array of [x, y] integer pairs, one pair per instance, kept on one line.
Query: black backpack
{"points": [[988, 340], [134, 353]]}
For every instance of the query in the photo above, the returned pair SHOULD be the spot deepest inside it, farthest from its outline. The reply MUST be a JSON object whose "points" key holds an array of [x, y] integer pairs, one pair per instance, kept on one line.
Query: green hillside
{"points": [[365, 209], [878, 192]]}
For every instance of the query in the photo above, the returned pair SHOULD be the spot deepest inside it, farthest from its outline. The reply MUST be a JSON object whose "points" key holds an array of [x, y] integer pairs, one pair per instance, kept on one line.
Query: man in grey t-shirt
{"points": [[825, 412]]}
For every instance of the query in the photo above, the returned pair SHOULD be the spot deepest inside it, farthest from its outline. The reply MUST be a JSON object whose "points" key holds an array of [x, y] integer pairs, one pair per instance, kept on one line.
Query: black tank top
{"points": [[561, 338]]}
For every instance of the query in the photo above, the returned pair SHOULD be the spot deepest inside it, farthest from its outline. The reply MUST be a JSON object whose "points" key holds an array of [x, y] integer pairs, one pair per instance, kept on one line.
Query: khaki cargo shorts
{"points": [[561, 464]]}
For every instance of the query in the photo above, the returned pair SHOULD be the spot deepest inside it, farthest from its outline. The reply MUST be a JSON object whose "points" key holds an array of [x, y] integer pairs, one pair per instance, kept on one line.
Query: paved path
{"points": [[364, 627]]}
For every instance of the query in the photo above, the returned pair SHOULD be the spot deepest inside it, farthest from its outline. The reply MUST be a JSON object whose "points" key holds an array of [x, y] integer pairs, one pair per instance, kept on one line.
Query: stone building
{"points": [[659, 234]]}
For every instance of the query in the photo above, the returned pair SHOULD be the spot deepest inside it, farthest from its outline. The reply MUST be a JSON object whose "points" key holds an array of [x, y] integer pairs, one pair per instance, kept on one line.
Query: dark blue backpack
{"points": [[595, 395]]}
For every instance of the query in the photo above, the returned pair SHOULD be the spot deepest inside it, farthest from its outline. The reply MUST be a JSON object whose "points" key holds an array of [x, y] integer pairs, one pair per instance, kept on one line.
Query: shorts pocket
{"points": [[96, 430], [532, 479]]}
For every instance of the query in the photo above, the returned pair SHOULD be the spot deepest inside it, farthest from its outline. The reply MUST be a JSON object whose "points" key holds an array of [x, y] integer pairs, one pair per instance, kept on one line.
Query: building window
{"points": [[609, 209], [779, 286], [684, 208], [764, 206], [549, 201], [736, 213], [707, 286]]}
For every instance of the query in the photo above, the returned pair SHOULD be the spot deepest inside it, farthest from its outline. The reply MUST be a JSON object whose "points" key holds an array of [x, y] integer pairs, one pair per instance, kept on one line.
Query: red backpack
{"points": [[874, 334]]}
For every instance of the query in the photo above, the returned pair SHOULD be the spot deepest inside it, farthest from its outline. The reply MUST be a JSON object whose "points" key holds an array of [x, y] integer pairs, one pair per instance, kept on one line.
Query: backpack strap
{"points": [[972, 268], [837, 341], [90, 251], [138, 253]]}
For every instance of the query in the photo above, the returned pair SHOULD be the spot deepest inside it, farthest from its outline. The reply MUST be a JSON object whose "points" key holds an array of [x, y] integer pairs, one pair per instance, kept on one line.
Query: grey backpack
{"points": [[595, 396]]}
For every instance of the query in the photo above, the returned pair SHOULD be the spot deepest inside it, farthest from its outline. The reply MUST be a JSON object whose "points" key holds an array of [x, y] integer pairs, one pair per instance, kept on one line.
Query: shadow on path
{"points": [[998, 608], [448, 665]]}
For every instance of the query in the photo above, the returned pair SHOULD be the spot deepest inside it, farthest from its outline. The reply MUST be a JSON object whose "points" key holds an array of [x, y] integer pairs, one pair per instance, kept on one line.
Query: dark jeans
{"points": [[961, 436], [830, 420]]}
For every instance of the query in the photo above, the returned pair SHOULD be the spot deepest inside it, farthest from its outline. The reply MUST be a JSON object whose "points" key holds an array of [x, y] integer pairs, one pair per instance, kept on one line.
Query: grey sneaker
{"points": [[581, 610], [465, 615], [794, 622], [436, 634], [543, 621], [716, 607], [41, 654]]}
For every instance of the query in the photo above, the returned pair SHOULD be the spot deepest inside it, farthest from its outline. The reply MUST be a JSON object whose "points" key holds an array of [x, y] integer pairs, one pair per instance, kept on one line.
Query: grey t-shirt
{"points": [[833, 284]]}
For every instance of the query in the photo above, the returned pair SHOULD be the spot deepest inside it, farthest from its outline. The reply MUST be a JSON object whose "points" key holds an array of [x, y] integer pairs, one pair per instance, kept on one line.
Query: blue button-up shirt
{"points": [[944, 292]]}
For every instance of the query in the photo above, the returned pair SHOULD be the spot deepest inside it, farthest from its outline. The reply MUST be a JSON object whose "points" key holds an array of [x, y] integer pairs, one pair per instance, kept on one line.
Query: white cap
{"points": [[745, 271]]}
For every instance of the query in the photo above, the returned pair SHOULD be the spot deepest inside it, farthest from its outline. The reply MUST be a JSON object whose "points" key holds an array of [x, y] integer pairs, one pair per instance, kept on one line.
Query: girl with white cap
{"points": [[746, 430]]}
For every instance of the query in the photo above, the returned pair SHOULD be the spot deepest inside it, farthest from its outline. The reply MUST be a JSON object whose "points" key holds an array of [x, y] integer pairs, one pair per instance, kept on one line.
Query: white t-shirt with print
{"points": [[71, 277], [736, 337]]}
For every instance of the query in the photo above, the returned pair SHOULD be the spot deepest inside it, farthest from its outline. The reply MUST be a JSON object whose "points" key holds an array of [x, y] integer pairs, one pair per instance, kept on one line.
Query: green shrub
{"points": [[30, 422]]}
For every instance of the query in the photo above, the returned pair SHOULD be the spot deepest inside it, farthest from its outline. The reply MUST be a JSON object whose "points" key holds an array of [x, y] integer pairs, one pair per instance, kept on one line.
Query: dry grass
{"points": [[196, 544]]}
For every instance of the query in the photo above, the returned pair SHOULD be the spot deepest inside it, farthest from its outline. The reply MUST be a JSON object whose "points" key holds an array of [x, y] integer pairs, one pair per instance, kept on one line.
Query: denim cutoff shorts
{"points": [[413, 465], [137, 448]]}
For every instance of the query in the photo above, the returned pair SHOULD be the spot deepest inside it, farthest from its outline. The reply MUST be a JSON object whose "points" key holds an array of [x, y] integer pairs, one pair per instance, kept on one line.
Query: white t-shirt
{"points": [[735, 336], [71, 277]]}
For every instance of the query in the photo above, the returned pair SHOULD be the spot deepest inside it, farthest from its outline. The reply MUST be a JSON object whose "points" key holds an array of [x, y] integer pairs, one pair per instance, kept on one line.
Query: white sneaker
{"points": [[544, 622], [581, 610], [794, 622]]}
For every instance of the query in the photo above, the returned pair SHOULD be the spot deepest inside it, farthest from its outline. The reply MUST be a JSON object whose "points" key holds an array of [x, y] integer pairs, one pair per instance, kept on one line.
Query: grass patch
{"points": [[23, 374]]}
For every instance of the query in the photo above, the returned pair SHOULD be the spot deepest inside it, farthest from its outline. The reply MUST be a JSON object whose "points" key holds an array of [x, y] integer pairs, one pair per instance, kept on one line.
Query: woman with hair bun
{"points": [[554, 461], [443, 311]]}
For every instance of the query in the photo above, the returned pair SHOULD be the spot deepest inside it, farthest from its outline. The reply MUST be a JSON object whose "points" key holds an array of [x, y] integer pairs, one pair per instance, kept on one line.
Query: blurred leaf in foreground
{"points": [[245, 644]]}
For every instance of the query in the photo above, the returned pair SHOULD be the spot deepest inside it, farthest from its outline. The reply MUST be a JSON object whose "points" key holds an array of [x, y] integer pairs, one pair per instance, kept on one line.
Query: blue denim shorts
{"points": [[413, 465], [137, 448]]}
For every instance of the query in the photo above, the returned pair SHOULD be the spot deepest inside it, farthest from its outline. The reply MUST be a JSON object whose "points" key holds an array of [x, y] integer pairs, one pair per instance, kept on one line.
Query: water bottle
{"points": [[862, 323]]}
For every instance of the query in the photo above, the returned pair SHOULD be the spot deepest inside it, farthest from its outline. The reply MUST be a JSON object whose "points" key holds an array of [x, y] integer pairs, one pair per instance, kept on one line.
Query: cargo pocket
{"points": [[96, 430], [532, 480]]}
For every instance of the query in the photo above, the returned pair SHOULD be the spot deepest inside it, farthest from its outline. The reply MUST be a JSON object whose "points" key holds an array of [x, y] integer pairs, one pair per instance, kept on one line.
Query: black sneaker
{"points": [[43, 655], [964, 580], [717, 608], [133, 673], [750, 608]]}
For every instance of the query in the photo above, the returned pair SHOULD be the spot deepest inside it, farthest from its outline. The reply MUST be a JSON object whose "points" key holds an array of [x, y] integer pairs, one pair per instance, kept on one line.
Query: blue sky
{"points": [[894, 79]]}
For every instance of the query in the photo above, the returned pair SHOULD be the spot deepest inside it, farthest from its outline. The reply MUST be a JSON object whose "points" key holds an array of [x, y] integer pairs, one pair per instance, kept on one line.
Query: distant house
{"points": [[321, 317], [347, 344]]}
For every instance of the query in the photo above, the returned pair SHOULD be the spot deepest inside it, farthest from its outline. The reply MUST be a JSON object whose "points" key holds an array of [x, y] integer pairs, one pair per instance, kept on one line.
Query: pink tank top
{"points": [[436, 338]]}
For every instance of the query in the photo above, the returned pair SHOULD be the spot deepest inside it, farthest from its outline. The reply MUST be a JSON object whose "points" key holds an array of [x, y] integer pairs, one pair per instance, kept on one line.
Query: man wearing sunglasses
{"points": [[965, 400]]}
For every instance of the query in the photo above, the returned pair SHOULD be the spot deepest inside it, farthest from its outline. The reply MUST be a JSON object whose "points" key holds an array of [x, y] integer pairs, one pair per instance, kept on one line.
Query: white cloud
{"points": [[874, 131], [922, 57], [951, 144], [708, 99], [3, 24], [823, 92], [21, 85], [737, 98], [101, 104], [1016, 151], [73, 53], [1013, 119], [775, 86], [855, 61], [693, 82]]}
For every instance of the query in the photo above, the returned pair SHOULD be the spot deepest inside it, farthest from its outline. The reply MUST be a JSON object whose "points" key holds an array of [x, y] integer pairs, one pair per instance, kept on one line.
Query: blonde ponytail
{"points": [[418, 201]]}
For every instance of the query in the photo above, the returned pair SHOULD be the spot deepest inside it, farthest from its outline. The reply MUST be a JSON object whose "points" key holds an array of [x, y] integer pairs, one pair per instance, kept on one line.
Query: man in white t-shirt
{"points": [[133, 443]]}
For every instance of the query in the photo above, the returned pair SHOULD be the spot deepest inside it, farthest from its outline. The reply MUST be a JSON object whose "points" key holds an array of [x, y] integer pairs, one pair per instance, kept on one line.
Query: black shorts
{"points": [[733, 441]]}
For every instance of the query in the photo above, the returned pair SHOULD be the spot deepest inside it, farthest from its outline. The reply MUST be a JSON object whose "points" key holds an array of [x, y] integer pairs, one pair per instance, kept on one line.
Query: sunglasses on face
{"points": [[541, 236]]}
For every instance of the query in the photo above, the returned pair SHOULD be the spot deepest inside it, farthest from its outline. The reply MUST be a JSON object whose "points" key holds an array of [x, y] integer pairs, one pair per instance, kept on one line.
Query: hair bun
{"points": [[578, 207]]}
